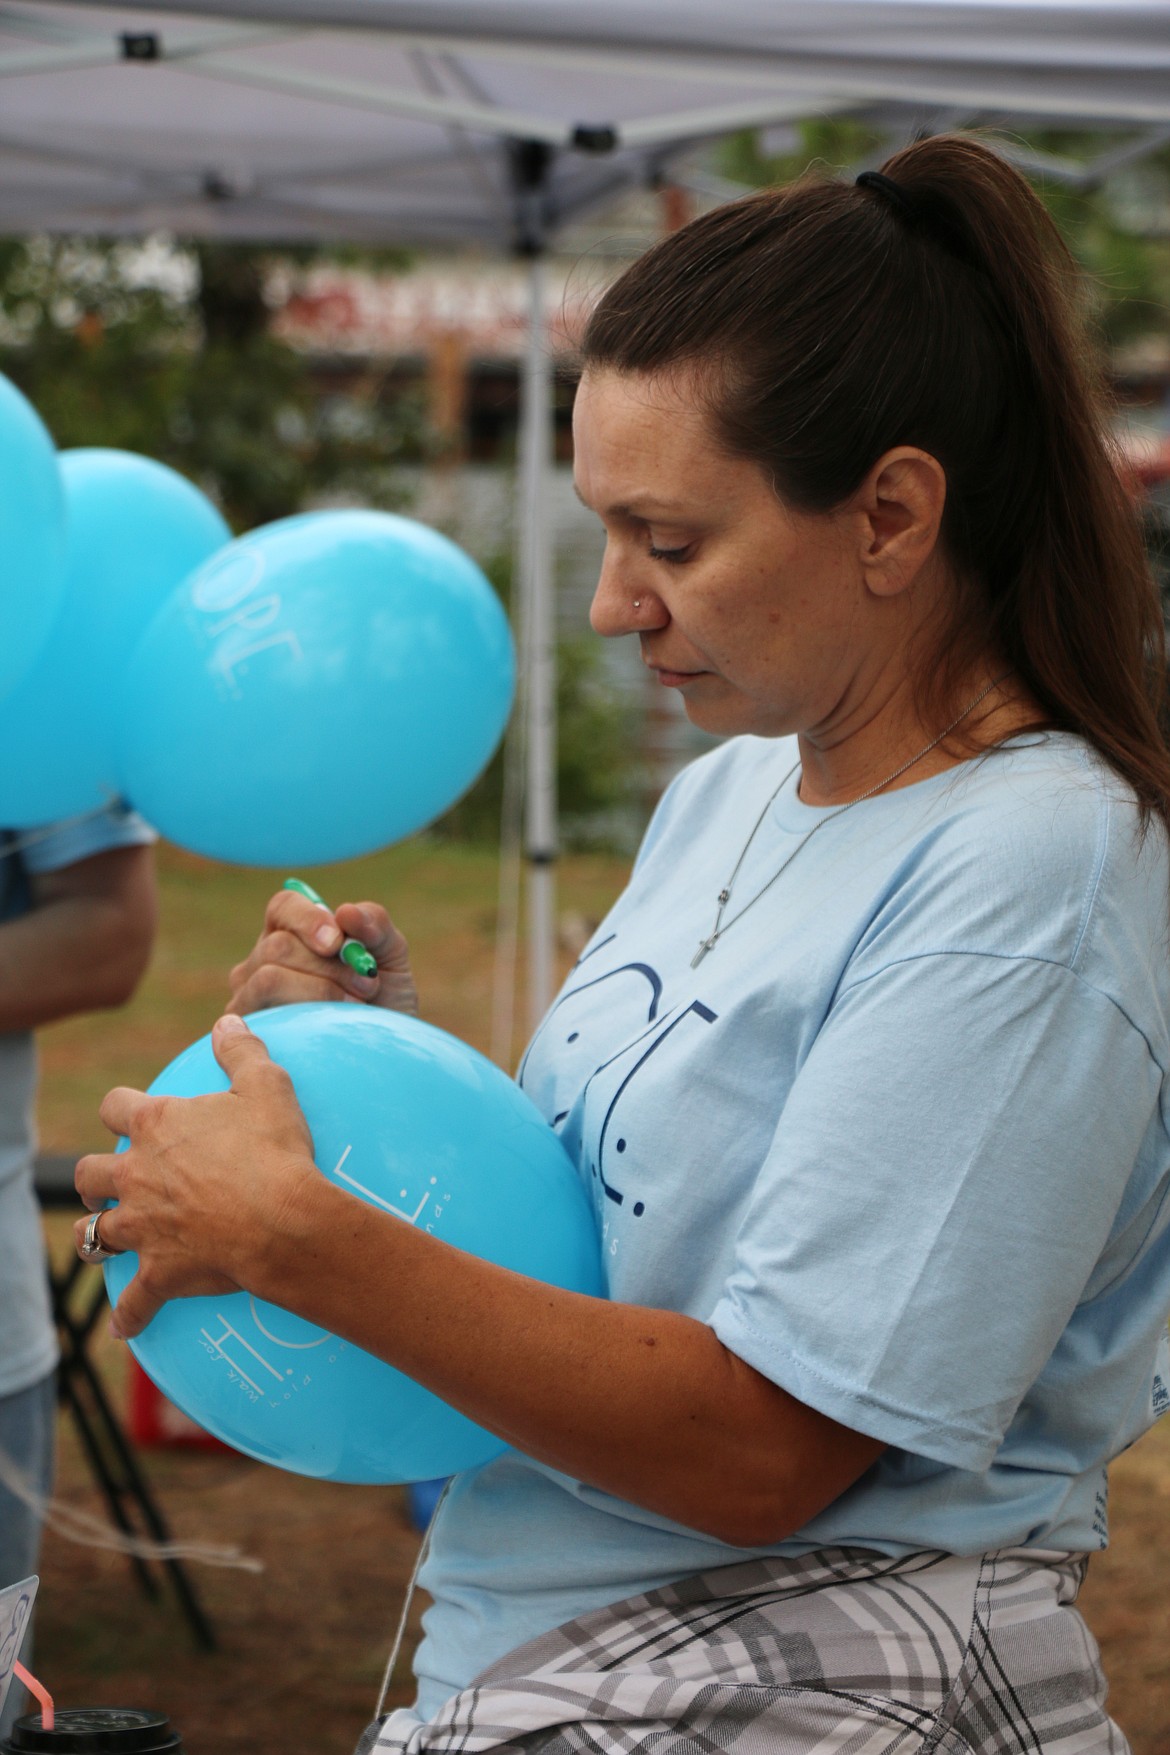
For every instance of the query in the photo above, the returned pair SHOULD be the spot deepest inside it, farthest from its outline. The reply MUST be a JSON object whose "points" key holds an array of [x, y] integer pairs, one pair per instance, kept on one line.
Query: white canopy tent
{"points": [[389, 119], [496, 122]]}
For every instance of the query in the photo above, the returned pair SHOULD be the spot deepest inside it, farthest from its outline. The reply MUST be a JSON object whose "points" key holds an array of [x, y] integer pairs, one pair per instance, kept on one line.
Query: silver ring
{"points": [[92, 1247]]}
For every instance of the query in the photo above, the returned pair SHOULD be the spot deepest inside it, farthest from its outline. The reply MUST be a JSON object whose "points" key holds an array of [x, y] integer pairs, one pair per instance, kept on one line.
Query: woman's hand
{"points": [[295, 958], [207, 1183]]}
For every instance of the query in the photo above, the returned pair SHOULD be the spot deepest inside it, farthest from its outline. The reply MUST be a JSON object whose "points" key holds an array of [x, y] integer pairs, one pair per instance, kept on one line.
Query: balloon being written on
{"points": [[322, 687], [418, 1125]]}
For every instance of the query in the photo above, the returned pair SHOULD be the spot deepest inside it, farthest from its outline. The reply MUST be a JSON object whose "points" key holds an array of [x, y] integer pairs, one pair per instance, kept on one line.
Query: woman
{"points": [[864, 1069]]}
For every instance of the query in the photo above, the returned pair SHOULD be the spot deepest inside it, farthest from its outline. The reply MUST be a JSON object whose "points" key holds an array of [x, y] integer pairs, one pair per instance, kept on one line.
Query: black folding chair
{"points": [[79, 1298]]}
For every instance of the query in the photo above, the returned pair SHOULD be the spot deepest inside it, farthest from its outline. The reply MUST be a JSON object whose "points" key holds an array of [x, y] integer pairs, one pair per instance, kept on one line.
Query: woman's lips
{"points": [[673, 679]]}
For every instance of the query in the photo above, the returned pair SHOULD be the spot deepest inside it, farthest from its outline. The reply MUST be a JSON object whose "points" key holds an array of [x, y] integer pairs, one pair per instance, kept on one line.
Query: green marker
{"points": [[353, 953]]}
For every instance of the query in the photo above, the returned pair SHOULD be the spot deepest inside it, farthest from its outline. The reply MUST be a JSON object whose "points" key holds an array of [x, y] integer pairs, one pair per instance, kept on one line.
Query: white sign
{"points": [[15, 1608]]}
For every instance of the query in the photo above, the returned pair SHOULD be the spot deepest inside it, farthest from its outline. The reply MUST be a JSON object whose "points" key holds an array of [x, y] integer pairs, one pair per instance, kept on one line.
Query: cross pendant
{"points": [[705, 944]]}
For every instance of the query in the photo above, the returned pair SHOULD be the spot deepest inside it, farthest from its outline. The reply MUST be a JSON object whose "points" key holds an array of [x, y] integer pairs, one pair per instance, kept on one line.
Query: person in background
{"points": [[77, 919]]}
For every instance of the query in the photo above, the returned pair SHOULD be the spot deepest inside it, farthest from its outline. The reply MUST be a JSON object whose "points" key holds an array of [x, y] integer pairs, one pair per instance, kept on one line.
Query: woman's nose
{"points": [[620, 604]]}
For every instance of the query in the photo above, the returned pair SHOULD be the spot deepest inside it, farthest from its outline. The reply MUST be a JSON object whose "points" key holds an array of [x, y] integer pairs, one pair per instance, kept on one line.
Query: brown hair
{"points": [[831, 321]]}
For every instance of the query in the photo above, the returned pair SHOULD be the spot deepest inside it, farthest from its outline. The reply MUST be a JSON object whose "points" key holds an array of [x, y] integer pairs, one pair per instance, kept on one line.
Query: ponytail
{"points": [[932, 304]]}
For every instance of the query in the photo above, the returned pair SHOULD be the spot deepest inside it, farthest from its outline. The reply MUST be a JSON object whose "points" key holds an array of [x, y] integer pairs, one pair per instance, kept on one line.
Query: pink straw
{"points": [[39, 1692]]}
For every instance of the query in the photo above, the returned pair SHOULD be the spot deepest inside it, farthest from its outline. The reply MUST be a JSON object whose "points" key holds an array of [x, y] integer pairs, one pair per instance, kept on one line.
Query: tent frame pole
{"points": [[531, 160]]}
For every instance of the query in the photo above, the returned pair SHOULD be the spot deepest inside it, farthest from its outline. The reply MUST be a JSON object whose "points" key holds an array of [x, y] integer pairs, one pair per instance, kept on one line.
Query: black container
{"points": [[94, 1730]]}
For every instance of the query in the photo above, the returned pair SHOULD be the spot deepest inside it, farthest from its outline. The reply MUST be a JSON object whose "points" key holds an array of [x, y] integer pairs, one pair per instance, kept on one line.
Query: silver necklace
{"points": [[718, 929]]}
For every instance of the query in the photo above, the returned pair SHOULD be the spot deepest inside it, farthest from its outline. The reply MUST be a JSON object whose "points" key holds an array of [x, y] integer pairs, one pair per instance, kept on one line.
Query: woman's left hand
{"points": [[205, 1184]]}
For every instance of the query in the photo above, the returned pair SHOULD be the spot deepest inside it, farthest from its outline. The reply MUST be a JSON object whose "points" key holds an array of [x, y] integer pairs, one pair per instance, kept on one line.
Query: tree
{"points": [[1117, 226], [597, 786], [167, 350]]}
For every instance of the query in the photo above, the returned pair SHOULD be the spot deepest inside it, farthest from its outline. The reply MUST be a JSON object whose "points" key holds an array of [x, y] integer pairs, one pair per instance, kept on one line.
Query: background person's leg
{"points": [[27, 1422]]}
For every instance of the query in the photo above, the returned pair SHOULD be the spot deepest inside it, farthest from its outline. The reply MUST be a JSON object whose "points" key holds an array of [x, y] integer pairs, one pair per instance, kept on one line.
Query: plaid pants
{"points": [[840, 1652]]}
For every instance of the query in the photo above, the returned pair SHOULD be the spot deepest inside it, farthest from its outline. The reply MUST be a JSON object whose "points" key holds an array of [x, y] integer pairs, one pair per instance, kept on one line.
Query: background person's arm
{"points": [[85, 942]]}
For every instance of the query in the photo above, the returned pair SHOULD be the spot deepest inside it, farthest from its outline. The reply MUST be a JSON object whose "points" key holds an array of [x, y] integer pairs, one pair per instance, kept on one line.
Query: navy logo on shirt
{"points": [[612, 1142]]}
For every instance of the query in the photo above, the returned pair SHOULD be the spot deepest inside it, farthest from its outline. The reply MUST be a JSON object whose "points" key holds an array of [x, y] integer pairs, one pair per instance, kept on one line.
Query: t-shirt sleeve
{"points": [[943, 1179], [78, 838]]}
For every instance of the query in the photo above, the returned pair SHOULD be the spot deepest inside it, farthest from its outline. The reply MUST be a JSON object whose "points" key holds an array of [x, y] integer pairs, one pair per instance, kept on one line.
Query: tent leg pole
{"points": [[539, 646]]}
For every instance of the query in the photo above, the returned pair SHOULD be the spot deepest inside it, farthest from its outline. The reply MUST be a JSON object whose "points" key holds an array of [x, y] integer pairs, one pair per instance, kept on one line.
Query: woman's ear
{"points": [[900, 507]]}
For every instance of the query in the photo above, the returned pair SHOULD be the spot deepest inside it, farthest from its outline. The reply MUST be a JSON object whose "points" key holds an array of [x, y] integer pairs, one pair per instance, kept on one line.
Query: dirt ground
{"points": [[303, 1644]]}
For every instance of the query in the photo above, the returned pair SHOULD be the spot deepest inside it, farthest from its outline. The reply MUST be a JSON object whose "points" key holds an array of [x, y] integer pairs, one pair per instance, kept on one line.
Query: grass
{"points": [[443, 895]]}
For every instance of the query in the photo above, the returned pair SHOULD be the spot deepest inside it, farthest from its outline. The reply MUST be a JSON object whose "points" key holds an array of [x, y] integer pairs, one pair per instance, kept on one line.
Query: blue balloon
{"points": [[32, 535], [324, 686], [419, 1125], [136, 529]]}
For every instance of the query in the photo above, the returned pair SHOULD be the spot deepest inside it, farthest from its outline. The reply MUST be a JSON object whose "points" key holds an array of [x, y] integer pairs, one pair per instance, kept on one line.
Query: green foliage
{"points": [[825, 142], [1114, 229], [98, 351], [1109, 231], [596, 760], [173, 358], [596, 734]]}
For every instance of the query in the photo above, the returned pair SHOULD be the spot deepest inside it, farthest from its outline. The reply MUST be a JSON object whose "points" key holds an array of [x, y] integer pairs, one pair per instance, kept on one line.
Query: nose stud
{"points": [[637, 603]]}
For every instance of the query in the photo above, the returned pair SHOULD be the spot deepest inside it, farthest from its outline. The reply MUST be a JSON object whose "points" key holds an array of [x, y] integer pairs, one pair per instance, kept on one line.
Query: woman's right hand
{"points": [[295, 958]]}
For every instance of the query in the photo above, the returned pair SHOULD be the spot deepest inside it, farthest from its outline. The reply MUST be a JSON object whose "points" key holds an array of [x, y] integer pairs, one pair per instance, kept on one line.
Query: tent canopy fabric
{"points": [[383, 119]]}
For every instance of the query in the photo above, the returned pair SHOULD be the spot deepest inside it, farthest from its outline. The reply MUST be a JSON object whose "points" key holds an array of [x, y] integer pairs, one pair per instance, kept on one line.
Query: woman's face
{"points": [[759, 615]]}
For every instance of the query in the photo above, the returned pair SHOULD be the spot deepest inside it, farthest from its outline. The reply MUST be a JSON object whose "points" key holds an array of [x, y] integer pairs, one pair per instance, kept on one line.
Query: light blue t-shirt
{"points": [[28, 1345], [899, 1139]]}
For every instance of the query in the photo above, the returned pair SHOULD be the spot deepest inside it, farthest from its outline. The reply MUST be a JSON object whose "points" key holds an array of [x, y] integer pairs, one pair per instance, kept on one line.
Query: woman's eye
{"points": [[673, 555]]}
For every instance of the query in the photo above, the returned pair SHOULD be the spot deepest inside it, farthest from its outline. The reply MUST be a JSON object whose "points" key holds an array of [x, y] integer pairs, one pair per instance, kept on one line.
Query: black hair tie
{"points": [[893, 192], [928, 219]]}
